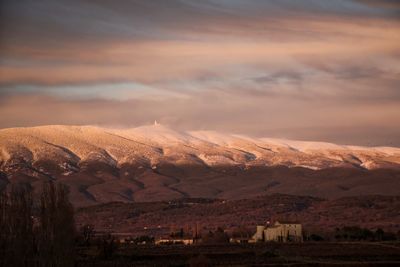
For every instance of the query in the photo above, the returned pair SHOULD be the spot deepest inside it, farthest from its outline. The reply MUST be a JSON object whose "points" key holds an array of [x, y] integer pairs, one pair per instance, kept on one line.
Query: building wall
{"points": [[259, 235], [283, 233], [272, 234]]}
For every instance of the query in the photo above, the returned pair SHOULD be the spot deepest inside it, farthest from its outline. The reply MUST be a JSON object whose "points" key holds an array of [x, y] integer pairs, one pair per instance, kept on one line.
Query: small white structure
{"points": [[182, 241], [279, 232]]}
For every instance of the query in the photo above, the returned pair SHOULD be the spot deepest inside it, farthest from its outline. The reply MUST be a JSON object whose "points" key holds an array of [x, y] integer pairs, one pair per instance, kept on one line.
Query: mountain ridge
{"points": [[152, 163], [152, 141]]}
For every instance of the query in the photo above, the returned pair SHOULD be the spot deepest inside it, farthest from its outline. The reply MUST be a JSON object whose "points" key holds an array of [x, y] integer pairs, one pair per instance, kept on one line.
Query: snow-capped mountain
{"points": [[136, 163], [153, 144]]}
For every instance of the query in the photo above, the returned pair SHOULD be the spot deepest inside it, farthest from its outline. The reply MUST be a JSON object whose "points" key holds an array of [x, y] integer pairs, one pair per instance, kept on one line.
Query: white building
{"points": [[175, 241], [279, 232]]}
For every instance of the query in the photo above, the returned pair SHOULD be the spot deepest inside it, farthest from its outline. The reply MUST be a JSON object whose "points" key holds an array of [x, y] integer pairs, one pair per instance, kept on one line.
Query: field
{"points": [[273, 254]]}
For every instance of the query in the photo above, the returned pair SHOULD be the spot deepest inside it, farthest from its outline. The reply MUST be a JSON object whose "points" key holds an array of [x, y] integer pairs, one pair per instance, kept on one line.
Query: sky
{"points": [[324, 70]]}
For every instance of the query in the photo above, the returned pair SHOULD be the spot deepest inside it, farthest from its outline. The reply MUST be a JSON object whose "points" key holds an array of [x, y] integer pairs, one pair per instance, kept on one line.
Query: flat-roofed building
{"points": [[279, 232]]}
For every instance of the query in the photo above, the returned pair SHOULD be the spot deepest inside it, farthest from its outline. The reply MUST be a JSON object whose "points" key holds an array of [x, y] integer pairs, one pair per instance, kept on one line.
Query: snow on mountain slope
{"points": [[154, 162], [157, 143], [71, 143], [157, 134]]}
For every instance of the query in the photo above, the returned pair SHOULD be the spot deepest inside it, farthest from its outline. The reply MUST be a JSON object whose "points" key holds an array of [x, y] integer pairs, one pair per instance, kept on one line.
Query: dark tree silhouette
{"points": [[87, 234], [107, 247], [42, 239], [216, 237], [57, 227], [17, 243]]}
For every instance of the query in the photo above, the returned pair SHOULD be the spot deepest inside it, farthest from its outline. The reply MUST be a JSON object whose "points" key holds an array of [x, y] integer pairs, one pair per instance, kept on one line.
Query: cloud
{"points": [[285, 76], [382, 3], [315, 69], [258, 115]]}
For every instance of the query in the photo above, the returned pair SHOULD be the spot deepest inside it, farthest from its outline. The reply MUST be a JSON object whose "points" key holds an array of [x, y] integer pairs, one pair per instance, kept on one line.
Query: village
{"points": [[279, 231]]}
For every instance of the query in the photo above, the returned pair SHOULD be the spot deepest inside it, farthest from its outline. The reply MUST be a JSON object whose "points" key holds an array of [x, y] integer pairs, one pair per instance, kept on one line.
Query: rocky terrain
{"points": [[155, 163]]}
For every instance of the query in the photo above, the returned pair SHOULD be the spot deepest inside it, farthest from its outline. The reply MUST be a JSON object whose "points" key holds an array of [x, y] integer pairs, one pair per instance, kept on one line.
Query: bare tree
{"points": [[17, 242], [57, 227], [87, 233]]}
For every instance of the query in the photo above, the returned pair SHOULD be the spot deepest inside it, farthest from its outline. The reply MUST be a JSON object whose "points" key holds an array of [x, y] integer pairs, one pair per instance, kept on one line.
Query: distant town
{"points": [[277, 232]]}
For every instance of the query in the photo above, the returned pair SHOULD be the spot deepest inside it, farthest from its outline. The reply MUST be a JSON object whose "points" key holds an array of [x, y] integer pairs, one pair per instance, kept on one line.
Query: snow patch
{"points": [[213, 160]]}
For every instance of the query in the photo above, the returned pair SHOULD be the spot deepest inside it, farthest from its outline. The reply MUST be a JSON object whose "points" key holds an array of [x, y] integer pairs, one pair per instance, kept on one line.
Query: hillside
{"points": [[154, 163], [316, 214]]}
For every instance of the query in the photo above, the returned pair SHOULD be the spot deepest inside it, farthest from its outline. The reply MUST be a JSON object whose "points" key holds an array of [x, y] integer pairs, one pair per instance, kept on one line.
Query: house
{"points": [[174, 241], [279, 232]]}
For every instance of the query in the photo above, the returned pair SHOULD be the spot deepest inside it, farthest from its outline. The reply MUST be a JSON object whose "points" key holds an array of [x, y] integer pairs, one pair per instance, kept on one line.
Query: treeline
{"points": [[356, 233], [36, 234]]}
